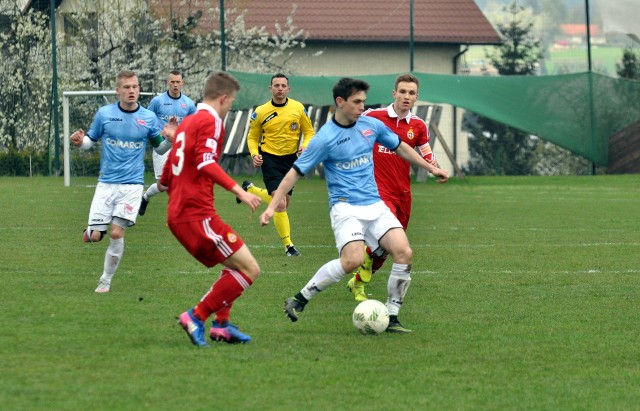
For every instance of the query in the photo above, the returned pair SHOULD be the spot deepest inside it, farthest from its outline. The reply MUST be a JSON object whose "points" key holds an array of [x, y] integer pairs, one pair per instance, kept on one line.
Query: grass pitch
{"points": [[524, 296]]}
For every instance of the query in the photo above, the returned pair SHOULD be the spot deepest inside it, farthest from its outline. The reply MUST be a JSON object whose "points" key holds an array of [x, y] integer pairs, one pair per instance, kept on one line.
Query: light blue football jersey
{"points": [[124, 137], [166, 106], [347, 156]]}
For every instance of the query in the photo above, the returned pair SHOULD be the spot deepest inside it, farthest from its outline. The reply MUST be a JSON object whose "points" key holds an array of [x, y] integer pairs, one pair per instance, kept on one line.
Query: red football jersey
{"points": [[391, 171], [191, 170]]}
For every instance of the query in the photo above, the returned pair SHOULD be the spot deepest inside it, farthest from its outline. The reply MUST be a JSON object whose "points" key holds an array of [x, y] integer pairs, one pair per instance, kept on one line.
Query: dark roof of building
{"points": [[434, 21]]}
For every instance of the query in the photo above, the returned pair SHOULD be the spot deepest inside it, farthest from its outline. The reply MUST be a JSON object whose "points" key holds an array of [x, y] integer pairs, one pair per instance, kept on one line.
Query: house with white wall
{"points": [[377, 37]]}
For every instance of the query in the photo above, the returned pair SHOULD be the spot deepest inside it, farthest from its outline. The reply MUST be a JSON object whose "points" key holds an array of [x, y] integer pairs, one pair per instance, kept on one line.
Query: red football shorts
{"points": [[401, 208], [210, 241]]}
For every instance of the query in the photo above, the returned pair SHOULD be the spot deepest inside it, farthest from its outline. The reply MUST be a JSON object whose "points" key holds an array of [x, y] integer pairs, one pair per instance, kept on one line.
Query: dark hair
{"points": [[346, 87], [176, 73], [279, 75], [407, 78], [220, 83]]}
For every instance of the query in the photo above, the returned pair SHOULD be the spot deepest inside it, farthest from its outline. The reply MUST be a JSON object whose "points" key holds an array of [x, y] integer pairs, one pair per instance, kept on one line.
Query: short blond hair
{"points": [[124, 74]]}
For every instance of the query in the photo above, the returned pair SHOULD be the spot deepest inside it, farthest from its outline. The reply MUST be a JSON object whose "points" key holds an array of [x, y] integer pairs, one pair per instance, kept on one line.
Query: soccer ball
{"points": [[371, 317]]}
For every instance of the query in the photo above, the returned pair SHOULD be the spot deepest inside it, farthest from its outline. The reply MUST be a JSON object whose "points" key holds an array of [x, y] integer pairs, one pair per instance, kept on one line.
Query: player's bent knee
{"points": [[251, 269], [409, 253], [116, 235], [402, 256]]}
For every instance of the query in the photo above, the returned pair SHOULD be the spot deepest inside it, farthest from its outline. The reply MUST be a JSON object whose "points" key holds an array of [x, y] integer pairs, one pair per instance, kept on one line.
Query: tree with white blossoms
{"points": [[102, 37], [25, 50], [148, 38]]}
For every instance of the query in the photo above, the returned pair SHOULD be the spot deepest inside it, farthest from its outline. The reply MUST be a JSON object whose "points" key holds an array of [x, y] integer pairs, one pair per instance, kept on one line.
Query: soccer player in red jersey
{"points": [[392, 173], [190, 174]]}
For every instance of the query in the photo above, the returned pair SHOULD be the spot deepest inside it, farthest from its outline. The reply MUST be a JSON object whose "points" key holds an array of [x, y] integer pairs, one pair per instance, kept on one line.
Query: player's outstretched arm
{"points": [[443, 175], [407, 153]]}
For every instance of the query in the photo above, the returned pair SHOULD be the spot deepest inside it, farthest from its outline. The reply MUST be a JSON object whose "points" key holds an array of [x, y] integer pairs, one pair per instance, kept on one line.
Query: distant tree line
{"points": [[497, 149]]}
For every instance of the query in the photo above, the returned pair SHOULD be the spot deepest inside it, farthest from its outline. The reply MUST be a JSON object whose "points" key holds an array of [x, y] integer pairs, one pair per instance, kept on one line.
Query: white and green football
{"points": [[371, 317]]}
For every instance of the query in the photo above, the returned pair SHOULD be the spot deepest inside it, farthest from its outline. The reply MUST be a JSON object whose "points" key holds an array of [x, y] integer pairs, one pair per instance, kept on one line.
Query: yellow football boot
{"points": [[357, 289]]}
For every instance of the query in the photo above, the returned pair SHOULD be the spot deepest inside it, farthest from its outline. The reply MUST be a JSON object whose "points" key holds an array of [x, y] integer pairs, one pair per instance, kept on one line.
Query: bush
{"points": [[23, 164]]}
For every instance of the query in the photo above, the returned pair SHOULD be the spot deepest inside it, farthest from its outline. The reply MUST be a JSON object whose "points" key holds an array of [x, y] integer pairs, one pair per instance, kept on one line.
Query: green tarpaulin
{"points": [[576, 111]]}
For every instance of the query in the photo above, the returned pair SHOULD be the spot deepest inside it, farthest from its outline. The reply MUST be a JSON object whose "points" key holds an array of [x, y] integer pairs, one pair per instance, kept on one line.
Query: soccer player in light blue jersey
{"points": [[124, 129], [172, 104], [358, 215]]}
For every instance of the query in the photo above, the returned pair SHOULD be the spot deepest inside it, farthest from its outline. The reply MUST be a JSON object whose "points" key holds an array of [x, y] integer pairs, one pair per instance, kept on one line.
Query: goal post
{"points": [[66, 95]]}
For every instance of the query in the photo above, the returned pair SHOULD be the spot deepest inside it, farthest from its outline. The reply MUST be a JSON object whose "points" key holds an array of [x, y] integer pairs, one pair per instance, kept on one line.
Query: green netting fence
{"points": [[578, 112]]}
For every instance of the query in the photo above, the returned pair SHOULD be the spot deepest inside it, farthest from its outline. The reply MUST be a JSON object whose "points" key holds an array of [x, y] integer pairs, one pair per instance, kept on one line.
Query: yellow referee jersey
{"points": [[278, 128]]}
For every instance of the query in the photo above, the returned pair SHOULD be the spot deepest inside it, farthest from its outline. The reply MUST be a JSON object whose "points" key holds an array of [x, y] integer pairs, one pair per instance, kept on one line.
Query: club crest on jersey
{"points": [[294, 126], [232, 237], [183, 105], [410, 133], [367, 132], [141, 122]]}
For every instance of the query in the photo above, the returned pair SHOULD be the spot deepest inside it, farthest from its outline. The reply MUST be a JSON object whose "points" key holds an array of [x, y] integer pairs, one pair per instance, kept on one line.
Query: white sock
{"points": [[151, 191], [327, 275], [397, 286], [112, 258]]}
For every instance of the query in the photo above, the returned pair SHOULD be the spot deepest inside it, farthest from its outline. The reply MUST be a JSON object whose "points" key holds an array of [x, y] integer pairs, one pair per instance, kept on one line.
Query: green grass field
{"points": [[524, 296]]}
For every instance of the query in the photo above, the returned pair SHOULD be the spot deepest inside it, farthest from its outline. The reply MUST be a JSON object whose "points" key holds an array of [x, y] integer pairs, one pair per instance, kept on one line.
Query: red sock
{"points": [[377, 263], [222, 315], [222, 294]]}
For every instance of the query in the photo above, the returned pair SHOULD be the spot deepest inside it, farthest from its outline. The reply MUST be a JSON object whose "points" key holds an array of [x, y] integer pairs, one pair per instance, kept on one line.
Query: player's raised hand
{"points": [[77, 137], [169, 131]]}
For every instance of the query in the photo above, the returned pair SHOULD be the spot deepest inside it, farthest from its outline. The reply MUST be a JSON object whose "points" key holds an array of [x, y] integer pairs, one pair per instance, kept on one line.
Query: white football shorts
{"points": [[368, 223], [114, 200], [158, 162]]}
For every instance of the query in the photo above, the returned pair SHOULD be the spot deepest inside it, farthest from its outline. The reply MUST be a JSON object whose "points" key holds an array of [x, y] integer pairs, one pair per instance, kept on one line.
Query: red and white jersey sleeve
{"points": [[391, 171], [192, 167]]}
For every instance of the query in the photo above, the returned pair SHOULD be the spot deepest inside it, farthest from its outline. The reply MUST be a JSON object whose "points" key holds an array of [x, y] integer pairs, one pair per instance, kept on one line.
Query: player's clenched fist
{"points": [[77, 137]]}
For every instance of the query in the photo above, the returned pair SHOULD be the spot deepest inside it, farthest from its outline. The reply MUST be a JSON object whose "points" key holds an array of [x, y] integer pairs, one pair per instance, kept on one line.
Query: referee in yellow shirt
{"points": [[279, 131]]}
